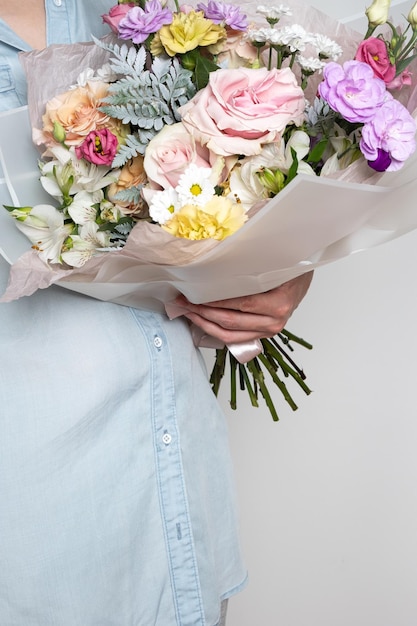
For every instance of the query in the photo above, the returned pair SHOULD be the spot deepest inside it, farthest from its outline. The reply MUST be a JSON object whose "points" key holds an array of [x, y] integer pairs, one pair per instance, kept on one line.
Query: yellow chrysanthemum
{"points": [[218, 219], [186, 32]]}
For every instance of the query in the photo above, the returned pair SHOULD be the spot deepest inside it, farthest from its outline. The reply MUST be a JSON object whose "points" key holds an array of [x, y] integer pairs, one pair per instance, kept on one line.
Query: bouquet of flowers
{"points": [[185, 125]]}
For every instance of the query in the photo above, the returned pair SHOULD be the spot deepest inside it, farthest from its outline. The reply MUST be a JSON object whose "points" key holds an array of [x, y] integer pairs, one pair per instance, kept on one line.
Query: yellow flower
{"points": [[187, 32], [218, 219]]}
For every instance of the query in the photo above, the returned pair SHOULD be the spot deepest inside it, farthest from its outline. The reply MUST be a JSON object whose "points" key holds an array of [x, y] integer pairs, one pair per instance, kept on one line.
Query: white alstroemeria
{"points": [[344, 152], [85, 245], [45, 228], [326, 48], [82, 209], [109, 212], [244, 181], [91, 177], [194, 185], [311, 64], [274, 13], [86, 176], [163, 205], [295, 37]]}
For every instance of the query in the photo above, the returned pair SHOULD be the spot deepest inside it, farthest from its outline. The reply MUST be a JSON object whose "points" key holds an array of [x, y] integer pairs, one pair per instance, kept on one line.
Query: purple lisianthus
{"points": [[352, 90], [221, 13], [139, 23], [392, 130]]}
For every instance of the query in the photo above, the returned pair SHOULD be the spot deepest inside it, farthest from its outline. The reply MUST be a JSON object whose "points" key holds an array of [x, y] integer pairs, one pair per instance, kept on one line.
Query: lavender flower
{"points": [[352, 90], [221, 13], [392, 130], [139, 23]]}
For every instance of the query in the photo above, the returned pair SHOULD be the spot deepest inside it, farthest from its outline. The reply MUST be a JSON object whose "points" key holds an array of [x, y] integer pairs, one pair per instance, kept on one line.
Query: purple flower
{"points": [[139, 23], [392, 130], [221, 13], [352, 90], [382, 161]]}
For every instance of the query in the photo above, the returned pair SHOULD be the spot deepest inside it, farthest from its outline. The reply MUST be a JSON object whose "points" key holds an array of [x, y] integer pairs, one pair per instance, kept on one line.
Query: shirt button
{"points": [[157, 342], [57, 3], [167, 439]]}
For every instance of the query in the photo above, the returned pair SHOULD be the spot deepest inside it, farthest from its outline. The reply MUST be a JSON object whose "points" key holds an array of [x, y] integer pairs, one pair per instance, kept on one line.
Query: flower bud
{"points": [[272, 180], [377, 13], [412, 17], [58, 132]]}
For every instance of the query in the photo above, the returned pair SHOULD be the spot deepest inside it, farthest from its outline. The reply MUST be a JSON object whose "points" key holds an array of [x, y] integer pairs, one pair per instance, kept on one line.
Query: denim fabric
{"points": [[117, 500]]}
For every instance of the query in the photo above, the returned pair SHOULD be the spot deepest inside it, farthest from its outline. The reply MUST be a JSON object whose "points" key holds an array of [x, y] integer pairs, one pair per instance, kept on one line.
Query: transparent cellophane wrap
{"points": [[313, 221]]}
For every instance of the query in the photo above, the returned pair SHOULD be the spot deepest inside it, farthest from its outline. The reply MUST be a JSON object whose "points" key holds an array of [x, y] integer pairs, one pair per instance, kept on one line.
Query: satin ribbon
{"points": [[243, 352]]}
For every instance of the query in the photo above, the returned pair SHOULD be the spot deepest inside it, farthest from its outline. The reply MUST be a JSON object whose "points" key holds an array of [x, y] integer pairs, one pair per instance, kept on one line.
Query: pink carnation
{"points": [[391, 130], [99, 147]]}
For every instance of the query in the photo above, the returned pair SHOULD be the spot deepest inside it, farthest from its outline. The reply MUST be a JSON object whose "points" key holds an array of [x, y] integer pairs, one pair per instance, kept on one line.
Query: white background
{"points": [[328, 495]]}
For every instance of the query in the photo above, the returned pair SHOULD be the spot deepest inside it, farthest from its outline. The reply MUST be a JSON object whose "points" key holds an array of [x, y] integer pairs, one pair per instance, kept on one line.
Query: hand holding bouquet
{"points": [[198, 119]]}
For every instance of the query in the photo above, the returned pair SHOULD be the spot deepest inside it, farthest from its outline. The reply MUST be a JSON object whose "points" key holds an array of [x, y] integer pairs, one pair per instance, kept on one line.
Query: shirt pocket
{"points": [[9, 98], [6, 81]]}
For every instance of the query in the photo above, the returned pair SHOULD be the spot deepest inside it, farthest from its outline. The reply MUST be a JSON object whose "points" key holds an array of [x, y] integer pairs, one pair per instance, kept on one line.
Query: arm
{"points": [[251, 317]]}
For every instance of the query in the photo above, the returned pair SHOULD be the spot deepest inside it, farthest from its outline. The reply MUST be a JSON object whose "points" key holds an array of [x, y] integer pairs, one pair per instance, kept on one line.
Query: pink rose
{"points": [[242, 109], [169, 153], [99, 147], [373, 51], [116, 13]]}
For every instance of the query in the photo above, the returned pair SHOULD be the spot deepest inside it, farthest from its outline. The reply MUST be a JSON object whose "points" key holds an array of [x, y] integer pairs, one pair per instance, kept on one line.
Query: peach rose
{"points": [[77, 111], [242, 109], [131, 175], [237, 51]]}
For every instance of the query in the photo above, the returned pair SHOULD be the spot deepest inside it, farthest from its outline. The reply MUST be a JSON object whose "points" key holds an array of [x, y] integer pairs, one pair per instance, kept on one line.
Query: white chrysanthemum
{"points": [[326, 47], [274, 13], [310, 64], [194, 186], [257, 35], [295, 37], [163, 205]]}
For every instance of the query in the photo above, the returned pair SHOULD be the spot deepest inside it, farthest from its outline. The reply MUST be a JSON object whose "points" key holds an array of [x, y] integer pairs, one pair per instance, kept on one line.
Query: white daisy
{"points": [[194, 186], [163, 205]]}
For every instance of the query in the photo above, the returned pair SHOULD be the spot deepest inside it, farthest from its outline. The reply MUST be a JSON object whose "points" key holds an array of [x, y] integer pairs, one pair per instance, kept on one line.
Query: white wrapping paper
{"points": [[311, 222]]}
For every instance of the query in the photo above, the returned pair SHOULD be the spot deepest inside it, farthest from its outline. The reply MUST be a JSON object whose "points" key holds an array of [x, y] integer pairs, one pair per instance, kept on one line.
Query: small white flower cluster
{"points": [[292, 40], [274, 13], [194, 187]]}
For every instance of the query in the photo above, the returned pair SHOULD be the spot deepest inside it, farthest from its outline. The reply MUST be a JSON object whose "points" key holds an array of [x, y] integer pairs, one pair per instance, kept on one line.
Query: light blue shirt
{"points": [[116, 493]]}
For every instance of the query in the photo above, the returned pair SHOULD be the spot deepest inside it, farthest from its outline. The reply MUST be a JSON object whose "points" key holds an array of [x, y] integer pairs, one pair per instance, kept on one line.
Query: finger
{"points": [[223, 334]]}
